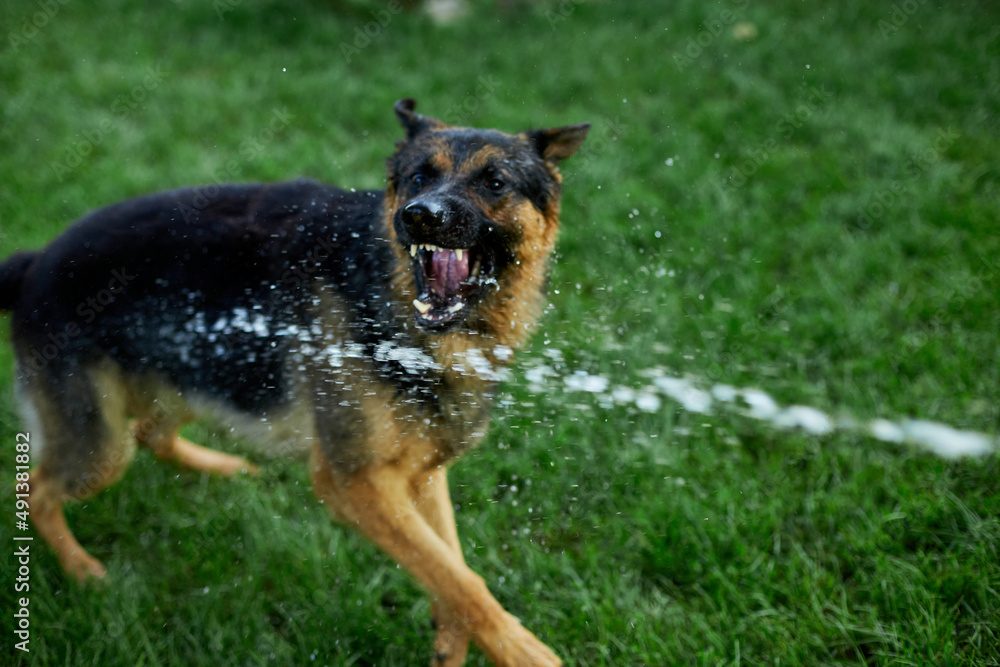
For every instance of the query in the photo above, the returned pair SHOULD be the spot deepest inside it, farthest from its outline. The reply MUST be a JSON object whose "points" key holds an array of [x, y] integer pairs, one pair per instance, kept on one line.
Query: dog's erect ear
{"points": [[558, 143], [413, 122]]}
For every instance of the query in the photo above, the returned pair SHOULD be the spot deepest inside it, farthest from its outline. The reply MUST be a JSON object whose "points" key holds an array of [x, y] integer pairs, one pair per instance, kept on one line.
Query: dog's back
{"points": [[193, 284]]}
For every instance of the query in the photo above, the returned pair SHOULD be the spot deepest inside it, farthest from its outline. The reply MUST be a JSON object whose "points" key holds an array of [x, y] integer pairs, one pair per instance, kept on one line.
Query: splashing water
{"points": [[553, 374], [941, 439]]}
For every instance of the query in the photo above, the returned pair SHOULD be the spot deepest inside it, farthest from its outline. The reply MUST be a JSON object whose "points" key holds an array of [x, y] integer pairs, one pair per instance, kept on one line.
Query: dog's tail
{"points": [[12, 273]]}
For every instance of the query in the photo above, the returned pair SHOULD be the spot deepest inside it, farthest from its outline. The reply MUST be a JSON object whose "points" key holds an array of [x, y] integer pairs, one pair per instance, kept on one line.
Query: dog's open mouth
{"points": [[449, 281]]}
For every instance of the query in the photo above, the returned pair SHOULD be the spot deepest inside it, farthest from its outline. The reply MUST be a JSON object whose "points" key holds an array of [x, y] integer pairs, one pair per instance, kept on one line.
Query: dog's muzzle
{"points": [[451, 266]]}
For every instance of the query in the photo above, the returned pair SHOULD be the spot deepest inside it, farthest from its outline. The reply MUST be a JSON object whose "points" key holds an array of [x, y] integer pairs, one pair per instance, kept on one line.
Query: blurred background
{"points": [[800, 198]]}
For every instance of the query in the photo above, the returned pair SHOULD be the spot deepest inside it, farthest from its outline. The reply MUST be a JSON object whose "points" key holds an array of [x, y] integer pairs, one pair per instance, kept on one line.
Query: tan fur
{"points": [[522, 302], [480, 159], [441, 160], [382, 503]]}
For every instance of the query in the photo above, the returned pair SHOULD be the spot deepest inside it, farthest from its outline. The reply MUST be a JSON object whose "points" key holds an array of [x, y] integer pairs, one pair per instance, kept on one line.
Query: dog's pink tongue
{"points": [[447, 272]]}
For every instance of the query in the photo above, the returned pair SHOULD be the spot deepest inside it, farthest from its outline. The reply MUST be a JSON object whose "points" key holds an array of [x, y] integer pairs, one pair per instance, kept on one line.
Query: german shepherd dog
{"points": [[369, 327]]}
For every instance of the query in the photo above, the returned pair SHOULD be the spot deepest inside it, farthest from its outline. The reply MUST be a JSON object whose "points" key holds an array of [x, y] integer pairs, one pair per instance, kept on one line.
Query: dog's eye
{"points": [[419, 179], [495, 185]]}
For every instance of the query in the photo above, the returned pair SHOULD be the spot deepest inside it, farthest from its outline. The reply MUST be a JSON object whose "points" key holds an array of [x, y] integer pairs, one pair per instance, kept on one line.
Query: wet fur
{"points": [[289, 306]]}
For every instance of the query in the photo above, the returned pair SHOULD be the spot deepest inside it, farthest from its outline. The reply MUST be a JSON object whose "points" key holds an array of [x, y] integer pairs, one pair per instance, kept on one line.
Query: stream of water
{"points": [[700, 396]]}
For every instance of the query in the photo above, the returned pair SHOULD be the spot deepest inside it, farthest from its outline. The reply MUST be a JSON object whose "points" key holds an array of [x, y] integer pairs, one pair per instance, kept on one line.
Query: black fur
{"points": [[145, 281], [12, 274]]}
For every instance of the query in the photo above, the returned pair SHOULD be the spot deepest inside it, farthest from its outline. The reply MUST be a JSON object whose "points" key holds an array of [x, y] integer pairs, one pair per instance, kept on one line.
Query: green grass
{"points": [[632, 538]]}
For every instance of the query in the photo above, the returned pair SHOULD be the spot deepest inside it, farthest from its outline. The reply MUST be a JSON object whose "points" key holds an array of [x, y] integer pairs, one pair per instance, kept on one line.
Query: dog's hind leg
{"points": [[159, 431], [197, 457], [430, 491], [46, 500], [79, 416]]}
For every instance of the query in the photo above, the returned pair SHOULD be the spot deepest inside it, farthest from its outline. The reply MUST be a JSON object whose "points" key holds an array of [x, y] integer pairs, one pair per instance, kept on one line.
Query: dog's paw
{"points": [[84, 568], [451, 644], [517, 647]]}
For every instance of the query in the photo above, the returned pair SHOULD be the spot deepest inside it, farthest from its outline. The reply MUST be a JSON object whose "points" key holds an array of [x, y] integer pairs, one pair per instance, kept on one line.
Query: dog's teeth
{"points": [[458, 253], [456, 307], [422, 308], [413, 250], [475, 269]]}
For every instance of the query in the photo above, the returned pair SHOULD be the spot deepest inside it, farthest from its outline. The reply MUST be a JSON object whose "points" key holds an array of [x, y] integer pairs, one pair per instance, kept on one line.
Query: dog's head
{"points": [[475, 214]]}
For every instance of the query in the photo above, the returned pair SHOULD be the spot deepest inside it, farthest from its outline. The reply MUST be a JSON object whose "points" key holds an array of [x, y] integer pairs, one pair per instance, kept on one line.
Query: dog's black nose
{"points": [[423, 215]]}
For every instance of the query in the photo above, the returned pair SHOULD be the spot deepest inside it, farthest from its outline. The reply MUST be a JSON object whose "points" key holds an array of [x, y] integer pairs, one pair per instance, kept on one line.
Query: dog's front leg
{"points": [[378, 502], [430, 491]]}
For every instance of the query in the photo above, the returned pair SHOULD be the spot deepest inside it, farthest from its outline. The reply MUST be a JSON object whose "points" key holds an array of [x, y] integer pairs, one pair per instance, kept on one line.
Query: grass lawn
{"points": [[812, 210]]}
